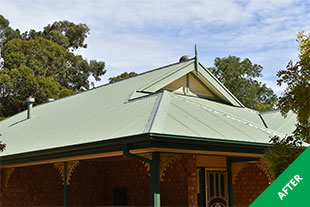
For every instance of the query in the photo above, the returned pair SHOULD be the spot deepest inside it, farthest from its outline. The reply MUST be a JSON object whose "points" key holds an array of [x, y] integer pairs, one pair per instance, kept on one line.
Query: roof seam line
{"points": [[262, 120]]}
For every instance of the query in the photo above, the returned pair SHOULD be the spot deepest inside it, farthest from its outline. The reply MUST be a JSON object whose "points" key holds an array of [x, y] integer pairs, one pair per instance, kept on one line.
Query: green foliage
{"points": [[282, 154], [6, 32], [66, 34], [49, 59], [19, 83], [296, 96], [239, 77], [122, 76], [42, 65]]}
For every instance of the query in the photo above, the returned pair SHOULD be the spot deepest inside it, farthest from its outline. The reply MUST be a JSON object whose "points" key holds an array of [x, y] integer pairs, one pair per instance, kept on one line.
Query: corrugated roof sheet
{"points": [[276, 121], [193, 117]]}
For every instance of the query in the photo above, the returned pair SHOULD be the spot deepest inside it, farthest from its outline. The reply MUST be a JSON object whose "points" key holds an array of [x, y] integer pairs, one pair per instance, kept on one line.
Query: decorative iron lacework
{"points": [[7, 174], [264, 167], [71, 166], [165, 161], [237, 167]]}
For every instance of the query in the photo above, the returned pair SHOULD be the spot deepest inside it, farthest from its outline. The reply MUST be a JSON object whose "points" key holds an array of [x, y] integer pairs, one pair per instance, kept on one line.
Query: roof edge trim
{"points": [[163, 81], [217, 84]]}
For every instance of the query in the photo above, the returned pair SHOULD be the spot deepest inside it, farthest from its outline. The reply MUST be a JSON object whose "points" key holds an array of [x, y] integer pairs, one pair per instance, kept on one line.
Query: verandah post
{"points": [[230, 185], [66, 186], [155, 180]]}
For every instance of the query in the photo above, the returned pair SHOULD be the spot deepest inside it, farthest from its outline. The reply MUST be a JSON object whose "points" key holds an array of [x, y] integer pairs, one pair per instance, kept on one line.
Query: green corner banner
{"points": [[291, 188]]}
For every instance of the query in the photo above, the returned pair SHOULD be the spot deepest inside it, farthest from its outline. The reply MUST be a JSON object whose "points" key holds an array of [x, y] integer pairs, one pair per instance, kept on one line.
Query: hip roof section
{"points": [[134, 106]]}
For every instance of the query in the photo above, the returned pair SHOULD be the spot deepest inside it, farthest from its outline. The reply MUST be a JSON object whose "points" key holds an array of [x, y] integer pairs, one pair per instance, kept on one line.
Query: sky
{"points": [[140, 35]]}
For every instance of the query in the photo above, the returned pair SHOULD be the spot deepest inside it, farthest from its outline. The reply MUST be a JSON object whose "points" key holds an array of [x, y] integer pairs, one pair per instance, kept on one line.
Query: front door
{"points": [[216, 187]]}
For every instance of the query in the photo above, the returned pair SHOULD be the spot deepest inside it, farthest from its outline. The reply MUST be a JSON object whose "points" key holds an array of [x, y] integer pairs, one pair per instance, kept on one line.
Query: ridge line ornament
{"points": [[70, 167], [165, 161]]}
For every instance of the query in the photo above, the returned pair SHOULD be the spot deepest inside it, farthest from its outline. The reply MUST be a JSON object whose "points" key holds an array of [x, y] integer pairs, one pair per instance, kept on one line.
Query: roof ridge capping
{"points": [[148, 71], [155, 85], [158, 115], [171, 73]]}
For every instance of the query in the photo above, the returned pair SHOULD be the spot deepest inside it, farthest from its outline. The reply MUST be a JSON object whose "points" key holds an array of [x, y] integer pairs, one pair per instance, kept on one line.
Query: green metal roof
{"points": [[135, 106], [274, 120]]}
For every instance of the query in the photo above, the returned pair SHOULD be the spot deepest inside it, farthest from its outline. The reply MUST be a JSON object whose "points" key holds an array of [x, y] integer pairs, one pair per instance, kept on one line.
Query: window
{"points": [[120, 197]]}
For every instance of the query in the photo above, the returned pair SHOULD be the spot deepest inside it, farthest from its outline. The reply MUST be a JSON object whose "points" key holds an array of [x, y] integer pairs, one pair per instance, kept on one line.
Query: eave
{"points": [[138, 144]]}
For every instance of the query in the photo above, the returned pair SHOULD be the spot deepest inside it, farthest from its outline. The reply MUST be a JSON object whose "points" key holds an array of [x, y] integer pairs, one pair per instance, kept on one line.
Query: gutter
{"points": [[126, 153]]}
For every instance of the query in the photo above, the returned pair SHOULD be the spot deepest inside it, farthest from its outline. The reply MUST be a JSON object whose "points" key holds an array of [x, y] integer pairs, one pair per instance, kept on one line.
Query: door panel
{"points": [[216, 188]]}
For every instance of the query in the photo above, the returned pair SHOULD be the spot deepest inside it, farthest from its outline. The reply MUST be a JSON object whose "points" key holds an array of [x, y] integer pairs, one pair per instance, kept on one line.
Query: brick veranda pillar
{"points": [[155, 179], [192, 181]]}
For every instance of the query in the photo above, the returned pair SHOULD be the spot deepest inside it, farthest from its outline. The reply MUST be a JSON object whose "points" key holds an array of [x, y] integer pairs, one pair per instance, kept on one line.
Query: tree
{"points": [[43, 65], [6, 32], [49, 59], [122, 76], [239, 77], [67, 34], [21, 82], [296, 96], [282, 154]]}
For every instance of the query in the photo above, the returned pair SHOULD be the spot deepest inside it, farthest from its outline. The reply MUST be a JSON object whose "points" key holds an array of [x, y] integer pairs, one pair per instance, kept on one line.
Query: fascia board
{"points": [[187, 139], [76, 150]]}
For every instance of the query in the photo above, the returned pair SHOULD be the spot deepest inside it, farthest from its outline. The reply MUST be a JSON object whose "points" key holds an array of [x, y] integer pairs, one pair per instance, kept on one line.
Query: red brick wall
{"points": [[33, 186], [250, 182], [92, 184], [179, 187], [192, 181], [87, 184]]}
